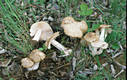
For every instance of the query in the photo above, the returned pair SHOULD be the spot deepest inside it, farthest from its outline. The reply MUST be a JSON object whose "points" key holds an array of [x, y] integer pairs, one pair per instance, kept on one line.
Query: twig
{"points": [[117, 54], [122, 66], [61, 66], [113, 70], [120, 46], [86, 72], [54, 74], [6, 63], [73, 63], [103, 65], [119, 73]]}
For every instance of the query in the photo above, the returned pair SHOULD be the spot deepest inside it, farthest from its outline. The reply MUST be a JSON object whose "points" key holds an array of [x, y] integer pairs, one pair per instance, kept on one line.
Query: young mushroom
{"points": [[27, 63], [104, 30], [33, 60], [37, 56], [95, 45], [42, 31], [74, 28]]}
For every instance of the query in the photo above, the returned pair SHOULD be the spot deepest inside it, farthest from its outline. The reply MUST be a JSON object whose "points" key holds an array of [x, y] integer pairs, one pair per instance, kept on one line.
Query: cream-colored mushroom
{"points": [[104, 30], [27, 63], [42, 31], [37, 55], [95, 45], [56, 44], [74, 28], [100, 44], [91, 37], [34, 67], [33, 60]]}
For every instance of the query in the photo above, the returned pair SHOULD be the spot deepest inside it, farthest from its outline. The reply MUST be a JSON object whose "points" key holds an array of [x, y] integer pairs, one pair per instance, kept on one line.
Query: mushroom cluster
{"points": [[32, 61], [96, 40], [42, 31]]}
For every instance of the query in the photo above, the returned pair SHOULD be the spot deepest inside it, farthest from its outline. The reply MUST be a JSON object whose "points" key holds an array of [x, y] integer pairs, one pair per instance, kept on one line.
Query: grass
{"points": [[15, 30], [17, 19]]}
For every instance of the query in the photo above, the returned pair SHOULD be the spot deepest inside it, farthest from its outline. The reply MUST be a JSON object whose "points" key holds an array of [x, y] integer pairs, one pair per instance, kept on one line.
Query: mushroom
{"points": [[32, 62], [91, 37], [101, 44], [27, 63], [37, 55], [104, 30], [95, 45], [74, 28], [42, 31]]}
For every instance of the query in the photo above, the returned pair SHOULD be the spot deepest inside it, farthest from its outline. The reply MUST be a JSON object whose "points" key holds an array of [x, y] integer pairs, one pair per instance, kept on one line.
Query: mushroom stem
{"points": [[37, 35], [97, 32], [61, 47], [119, 73], [34, 67], [101, 38]]}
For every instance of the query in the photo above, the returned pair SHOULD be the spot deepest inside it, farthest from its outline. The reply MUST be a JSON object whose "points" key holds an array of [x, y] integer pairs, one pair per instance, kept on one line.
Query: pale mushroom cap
{"points": [[40, 30], [91, 37], [68, 20], [36, 55], [48, 42], [104, 26], [84, 26], [100, 44], [27, 63], [73, 28]]}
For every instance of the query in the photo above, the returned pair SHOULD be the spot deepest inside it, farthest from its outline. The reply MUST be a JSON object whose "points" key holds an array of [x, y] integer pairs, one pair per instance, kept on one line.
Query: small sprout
{"points": [[74, 28]]}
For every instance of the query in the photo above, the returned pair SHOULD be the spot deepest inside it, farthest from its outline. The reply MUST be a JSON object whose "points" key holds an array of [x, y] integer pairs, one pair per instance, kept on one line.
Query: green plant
{"points": [[84, 10], [11, 79], [94, 27], [68, 7], [1, 78], [42, 48], [81, 77]]}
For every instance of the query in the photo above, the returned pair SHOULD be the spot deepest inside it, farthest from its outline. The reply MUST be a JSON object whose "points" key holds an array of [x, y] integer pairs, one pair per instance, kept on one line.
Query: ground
{"points": [[16, 17]]}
